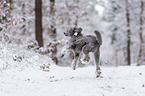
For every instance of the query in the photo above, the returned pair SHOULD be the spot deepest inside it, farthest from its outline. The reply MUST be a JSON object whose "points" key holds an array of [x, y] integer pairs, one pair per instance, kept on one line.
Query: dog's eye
{"points": [[76, 33]]}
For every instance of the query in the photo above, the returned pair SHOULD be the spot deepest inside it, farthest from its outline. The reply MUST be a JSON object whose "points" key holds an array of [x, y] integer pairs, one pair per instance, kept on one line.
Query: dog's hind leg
{"points": [[97, 61], [85, 59], [75, 60]]}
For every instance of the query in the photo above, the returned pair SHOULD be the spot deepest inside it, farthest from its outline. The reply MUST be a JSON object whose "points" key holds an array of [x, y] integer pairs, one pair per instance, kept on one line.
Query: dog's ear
{"points": [[74, 28], [80, 29]]}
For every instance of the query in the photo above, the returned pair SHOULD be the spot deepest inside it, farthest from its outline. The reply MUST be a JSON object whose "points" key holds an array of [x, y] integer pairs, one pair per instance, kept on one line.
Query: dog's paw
{"points": [[84, 62], [98, 74], [62, 55], [74, 68]]}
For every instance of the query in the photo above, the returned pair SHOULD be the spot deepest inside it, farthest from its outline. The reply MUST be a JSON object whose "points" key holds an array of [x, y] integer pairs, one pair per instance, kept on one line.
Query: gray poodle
{"points": [[84, 44]]}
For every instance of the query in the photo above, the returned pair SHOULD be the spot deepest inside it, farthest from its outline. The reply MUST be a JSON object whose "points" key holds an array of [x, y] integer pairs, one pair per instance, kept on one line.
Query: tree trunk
{"points": [[140, 59], [24, 20], [38, 22], [52, 30], [128, 34], [11, 1], [76, 22], [77, 17]]}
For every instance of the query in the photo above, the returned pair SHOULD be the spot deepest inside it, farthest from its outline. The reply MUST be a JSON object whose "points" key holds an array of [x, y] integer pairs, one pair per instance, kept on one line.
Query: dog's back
{"points": [[78, 42]]}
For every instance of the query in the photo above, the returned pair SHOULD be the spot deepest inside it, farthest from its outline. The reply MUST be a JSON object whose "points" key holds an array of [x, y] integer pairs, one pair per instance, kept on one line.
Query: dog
{"points": [[83, 44]]}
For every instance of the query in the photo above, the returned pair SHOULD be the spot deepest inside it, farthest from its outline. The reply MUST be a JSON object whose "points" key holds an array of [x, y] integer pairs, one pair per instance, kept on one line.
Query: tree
{"points": [[118, 15], [128, 33], [52, 31], [38, 22], [52, 27], [5, 8], [77, 17], [24, 20], [140, 59]]}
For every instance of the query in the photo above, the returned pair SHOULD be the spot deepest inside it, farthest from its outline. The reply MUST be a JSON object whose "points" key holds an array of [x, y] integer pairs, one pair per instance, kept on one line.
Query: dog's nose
{"points": [[65, 34]]}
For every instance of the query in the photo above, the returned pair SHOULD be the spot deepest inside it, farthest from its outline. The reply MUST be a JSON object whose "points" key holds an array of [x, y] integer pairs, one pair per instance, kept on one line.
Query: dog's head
{"points": [[73, 32]]}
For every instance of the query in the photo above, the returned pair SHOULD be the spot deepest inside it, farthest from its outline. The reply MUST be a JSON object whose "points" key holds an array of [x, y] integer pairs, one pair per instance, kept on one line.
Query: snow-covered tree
{"points": [[117, 18], [126, 24], [141, 49], [5, 20]]}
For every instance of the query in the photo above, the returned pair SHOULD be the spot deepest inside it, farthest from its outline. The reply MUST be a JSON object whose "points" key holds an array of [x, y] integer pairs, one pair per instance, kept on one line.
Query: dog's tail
{"points": [[99, 37]]}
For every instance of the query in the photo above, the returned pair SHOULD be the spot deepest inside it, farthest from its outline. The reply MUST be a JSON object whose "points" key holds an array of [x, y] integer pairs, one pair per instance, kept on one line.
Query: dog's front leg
{"points": [[97, 61], [64, 50], [86, 56], [75, 60]]}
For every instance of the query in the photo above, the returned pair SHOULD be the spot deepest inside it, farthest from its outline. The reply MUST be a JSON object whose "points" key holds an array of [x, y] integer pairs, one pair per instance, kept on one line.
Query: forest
{"points": [[32, 39]]}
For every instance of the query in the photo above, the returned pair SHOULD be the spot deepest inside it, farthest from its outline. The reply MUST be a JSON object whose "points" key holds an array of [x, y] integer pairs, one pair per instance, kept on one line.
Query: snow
{"points": [[122, 81], [63, 81]]}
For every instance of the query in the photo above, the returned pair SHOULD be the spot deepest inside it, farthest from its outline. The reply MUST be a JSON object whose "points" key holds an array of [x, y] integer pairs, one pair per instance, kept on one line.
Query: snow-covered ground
{"points": [[63, 81], [121, 81]]}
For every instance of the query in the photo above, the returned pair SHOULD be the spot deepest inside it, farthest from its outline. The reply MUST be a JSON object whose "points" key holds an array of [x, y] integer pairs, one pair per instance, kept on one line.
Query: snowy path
{"points": [[63, 81]]}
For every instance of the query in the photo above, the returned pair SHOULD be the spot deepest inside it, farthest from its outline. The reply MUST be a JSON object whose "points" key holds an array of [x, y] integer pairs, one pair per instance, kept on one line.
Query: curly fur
{"points": [[84, 44]]}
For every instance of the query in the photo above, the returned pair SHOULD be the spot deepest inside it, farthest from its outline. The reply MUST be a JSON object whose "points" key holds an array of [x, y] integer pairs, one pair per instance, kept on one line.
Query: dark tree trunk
{"points": [[38, 22], [140, 59], [76, 22], [128, 34]]}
